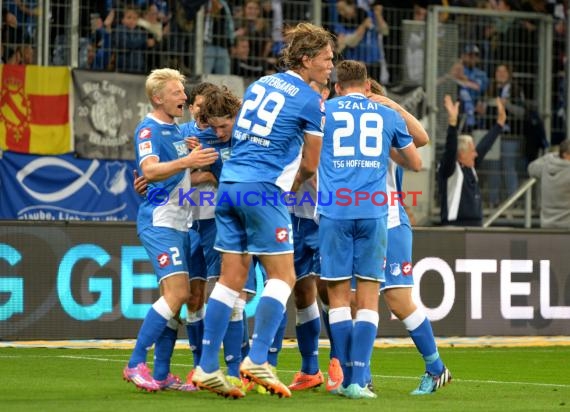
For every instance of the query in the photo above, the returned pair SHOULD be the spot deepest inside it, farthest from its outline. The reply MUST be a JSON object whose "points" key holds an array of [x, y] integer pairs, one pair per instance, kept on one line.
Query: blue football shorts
{"points": [[208, 265], [398, 271], [168, 250], [306, 247], [263, 228], [352, 247]]}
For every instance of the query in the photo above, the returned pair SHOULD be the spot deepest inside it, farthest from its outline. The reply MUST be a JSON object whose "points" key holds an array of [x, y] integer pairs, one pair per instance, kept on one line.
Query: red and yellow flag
{"points": [[34, 109]]}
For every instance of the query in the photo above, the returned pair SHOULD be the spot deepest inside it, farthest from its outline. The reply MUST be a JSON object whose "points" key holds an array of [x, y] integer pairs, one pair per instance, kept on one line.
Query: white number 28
{"points": [[371, 126]]}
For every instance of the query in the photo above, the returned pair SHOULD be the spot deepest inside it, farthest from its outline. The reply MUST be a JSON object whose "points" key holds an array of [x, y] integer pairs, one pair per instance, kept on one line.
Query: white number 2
{"points": [[175, 256], [371, 126], [260, 104]]}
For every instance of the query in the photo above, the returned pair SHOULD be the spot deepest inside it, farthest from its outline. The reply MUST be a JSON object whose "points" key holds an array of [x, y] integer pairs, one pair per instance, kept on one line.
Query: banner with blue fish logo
{"points": [[66, 188]]}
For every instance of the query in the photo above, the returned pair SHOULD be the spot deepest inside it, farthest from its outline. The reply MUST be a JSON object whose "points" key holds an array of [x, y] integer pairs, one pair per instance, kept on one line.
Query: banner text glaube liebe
{"points": [[341, 197]]}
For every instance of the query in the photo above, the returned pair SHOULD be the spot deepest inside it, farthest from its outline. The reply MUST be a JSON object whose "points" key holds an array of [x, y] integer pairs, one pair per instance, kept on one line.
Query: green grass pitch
{"points": [[484, 379]]}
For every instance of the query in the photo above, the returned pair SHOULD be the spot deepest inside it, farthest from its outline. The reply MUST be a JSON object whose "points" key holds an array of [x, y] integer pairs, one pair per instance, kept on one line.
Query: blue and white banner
{"points": [[66, 188]]}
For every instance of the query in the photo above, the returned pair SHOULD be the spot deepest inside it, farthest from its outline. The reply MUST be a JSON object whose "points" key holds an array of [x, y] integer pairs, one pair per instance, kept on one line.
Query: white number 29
{"points": [[260, 104]]}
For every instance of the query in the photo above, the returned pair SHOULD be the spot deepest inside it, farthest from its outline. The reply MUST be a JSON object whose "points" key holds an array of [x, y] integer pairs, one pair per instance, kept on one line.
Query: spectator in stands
{"points": [[395, 12], [415, 46], [242, 63], [473, 83], [357, 36], [460, 195], [95, 21], [382, 29], [101, 40], [179, 34], [219, 37], [13, 33], [295, 11], [11, 55], [131, 43], [553, 171], [506, 168], [257, 29], [152, 23], [16, 41], [26, 12], [272, 11], [507, 35]]}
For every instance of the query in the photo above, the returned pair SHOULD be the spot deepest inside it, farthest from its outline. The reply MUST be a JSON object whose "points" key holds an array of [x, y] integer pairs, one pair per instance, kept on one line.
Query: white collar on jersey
{"points": [[158, 120], [355, 94], [292, 73]]}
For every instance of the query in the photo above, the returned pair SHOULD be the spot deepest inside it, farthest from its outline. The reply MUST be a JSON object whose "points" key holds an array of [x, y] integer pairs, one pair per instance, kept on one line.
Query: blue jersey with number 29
{"points": [[268, 132], [356, 148]]}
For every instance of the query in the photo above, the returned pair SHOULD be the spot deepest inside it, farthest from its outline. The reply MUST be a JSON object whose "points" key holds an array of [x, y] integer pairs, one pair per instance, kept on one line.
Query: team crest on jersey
{"points": [[281, 234], [145, 133], [163, 260], [395, 269], [407, 268], [145, 148], [225, 153]]}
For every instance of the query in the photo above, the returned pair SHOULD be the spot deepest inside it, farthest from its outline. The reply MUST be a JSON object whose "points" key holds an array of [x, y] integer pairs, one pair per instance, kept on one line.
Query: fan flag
{"points": [[34, 109]]}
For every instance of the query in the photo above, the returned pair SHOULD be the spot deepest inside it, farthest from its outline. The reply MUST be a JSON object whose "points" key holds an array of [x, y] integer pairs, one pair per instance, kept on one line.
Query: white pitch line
{"points": [[557, 385], [494, 382]]}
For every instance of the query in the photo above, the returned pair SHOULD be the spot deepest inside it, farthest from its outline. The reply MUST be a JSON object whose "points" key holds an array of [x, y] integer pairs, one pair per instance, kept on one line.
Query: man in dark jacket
{"points": [[460, 195]]}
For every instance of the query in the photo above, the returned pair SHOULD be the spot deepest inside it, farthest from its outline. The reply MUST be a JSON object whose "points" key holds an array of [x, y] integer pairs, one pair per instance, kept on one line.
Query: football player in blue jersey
{"points": [[359, 134], [276, 141], [215, 110], [399, 281], [204, 260], [219, 110], [307, 269], [162, 222]]}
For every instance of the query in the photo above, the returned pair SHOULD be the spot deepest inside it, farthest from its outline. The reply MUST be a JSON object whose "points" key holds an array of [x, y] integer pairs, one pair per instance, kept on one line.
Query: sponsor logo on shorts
{"points": [[163, 260], [281, 234], [407, 268]]}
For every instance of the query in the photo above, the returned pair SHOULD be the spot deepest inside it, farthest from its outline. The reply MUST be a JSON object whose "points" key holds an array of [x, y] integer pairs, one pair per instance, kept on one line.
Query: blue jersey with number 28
{"points": [[356, 148]]}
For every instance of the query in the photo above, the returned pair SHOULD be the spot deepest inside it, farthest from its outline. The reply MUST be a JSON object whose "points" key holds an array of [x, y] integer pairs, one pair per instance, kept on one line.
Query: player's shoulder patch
{"points": [[145, 133], [145, 148]]}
